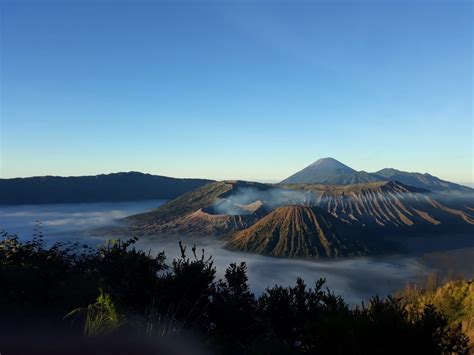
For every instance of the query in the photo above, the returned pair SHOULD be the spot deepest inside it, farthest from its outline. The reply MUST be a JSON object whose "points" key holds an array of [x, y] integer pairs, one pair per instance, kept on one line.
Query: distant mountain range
{"points": [[130, 186], [325, 210], [329, 171], [134, 186]]}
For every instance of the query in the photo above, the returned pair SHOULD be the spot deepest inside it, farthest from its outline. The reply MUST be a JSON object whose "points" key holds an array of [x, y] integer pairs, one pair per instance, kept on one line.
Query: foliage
{"points": [[101, 317], [454, 299], [126, 273], [118, 288]]}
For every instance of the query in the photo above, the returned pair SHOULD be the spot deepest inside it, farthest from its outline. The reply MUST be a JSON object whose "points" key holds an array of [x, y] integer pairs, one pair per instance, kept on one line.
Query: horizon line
{"points": [[260, 180]]}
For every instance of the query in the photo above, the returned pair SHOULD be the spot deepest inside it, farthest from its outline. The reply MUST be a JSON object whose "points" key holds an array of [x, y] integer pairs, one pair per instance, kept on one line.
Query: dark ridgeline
{"points": [[130, 186], [135, 186]]}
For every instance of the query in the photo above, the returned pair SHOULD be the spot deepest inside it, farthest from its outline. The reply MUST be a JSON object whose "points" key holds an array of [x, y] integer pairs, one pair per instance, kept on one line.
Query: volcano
{"points": [[329, 171], [388, 207], [207, 211], [300, 231]]}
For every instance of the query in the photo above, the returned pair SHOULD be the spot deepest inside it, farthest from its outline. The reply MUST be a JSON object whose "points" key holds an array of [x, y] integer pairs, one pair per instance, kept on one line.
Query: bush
{"points": [[117, 288], [454, 299]]}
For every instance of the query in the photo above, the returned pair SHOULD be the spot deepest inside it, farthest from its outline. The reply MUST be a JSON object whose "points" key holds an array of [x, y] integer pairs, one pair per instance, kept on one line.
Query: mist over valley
{"points": [[355, 278]]}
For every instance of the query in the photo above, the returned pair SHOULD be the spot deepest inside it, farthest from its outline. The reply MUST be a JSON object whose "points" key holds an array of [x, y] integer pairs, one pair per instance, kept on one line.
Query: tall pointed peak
{"points": [[330, 163], [328, 171]]}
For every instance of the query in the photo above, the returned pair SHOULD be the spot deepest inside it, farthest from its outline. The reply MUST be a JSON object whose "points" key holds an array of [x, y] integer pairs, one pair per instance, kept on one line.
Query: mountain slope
{"points": [[206, 211], [378, 207], [351, 220], [131, 186], [390, 205], [424, 181], [329, 171], [299, 231]]}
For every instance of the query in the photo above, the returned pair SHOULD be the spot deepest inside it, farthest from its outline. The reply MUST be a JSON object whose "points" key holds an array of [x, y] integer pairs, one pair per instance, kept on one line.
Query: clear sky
{"points": [[244, 89]]}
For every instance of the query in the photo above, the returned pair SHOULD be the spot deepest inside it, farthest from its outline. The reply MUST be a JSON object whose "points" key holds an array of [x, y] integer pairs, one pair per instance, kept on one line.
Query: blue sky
{"points": [[249, 90]]}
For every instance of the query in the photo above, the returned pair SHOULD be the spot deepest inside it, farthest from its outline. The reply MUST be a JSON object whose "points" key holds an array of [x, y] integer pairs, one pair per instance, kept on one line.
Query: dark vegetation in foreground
{"points": [[119, 290]]}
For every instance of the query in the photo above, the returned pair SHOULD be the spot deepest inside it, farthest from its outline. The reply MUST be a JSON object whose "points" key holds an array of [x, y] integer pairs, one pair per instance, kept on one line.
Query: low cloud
{"points": [[355, 279]]}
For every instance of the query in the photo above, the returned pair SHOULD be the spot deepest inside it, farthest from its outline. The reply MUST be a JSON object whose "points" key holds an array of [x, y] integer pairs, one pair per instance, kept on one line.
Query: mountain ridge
{"points": [[122, 186], [195, 212], [330, 171], [422, 180], [381, 207]]}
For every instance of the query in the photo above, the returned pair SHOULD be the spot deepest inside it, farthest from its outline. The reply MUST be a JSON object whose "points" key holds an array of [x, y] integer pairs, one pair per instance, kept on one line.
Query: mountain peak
{"points": [[331, 164], [328, 171]]}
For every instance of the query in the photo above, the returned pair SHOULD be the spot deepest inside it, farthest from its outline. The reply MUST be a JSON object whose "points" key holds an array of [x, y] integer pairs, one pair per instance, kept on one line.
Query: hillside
{"points": [[390, 206], [380, 208], [206, 211], [424, 181], [131, 186], [299, 231]]}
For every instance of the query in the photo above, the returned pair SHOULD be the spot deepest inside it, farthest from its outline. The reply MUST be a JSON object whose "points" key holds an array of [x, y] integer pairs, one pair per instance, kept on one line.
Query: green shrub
{"points": [[101, 317]]}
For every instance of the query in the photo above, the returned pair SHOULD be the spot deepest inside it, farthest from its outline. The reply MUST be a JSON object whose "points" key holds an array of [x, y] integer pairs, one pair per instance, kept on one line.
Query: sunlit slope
{"points": [[425, 181], [299, 231], [379, 208], [389, 204], [197, 213]]}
